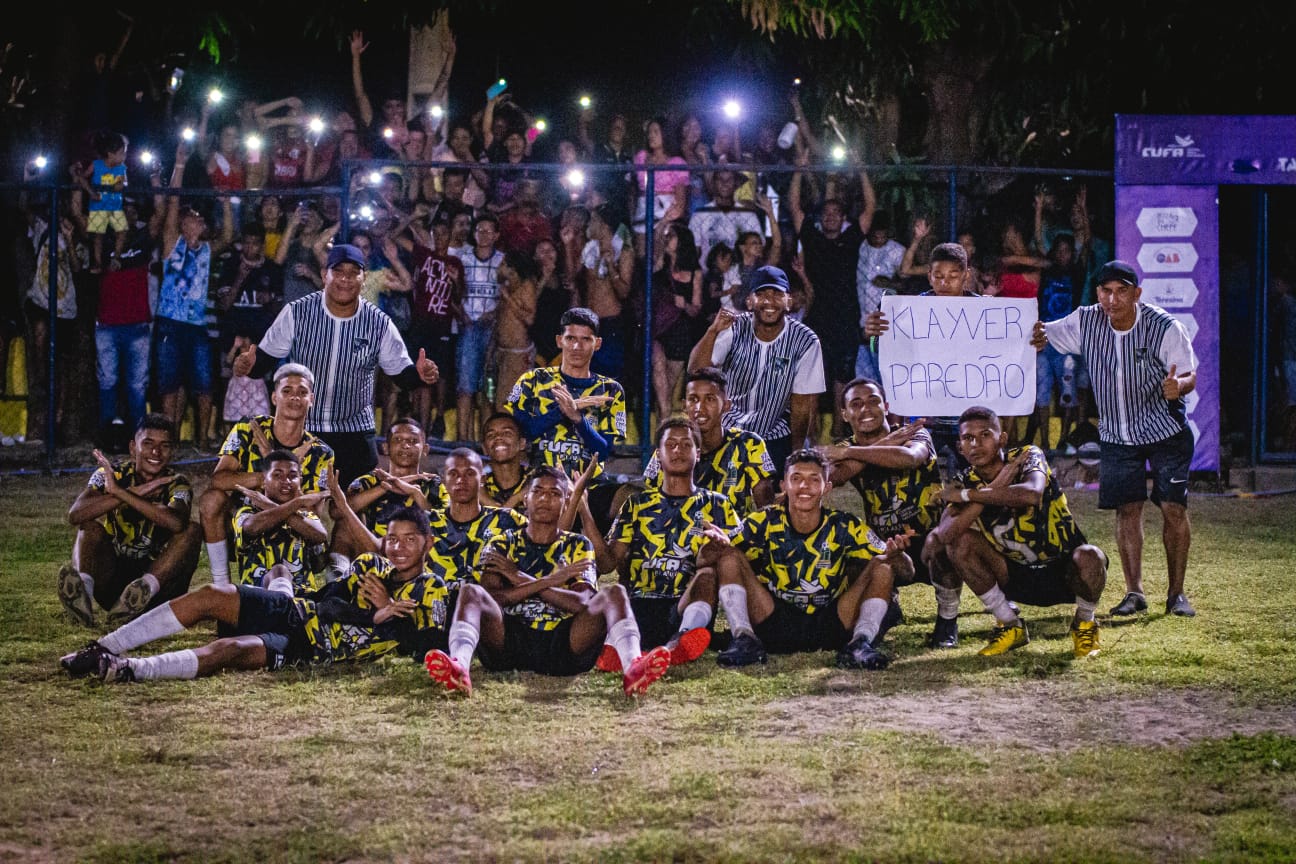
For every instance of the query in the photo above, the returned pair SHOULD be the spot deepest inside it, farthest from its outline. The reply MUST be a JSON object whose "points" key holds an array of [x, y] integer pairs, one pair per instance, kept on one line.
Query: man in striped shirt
{"points": [[774, 366], [1141, 366], [343, 340]]}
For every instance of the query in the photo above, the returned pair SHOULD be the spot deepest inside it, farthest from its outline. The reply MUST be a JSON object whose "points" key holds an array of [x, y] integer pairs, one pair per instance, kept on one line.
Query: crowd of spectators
{"points": [[476, 244]]}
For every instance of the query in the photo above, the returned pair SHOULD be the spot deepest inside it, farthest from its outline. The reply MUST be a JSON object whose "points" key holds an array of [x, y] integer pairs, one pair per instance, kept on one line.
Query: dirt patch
{"points": [[1043, 717]]}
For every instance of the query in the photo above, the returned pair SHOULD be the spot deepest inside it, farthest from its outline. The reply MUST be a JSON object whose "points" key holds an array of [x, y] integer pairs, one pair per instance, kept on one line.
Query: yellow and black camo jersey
{"points": [[539, 560], [809, 571], [532, 397], [241, 444], [500, 494], [338, 618], [254, 555], [456, 546], [734, 469], [1029, 535], [896, 500], [134, 536], [378, 514], [664, 534]]}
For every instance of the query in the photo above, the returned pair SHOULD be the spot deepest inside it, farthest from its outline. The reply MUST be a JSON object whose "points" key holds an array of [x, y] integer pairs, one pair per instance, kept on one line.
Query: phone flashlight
{"points": [[214, 96], [40, 162], [316, 125], [375, 178], [838, 153], [732, 109], [188, 134], [437, 112], [585, 102], [576, 177], [146, 158]]}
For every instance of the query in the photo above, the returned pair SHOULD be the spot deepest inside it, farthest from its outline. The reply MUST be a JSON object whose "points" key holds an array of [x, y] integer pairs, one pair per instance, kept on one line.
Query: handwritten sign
{"points": [[942, 355]]}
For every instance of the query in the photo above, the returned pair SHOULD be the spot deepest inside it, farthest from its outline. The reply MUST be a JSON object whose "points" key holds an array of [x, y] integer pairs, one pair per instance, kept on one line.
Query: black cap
{"points": [[769, 276], [1117, 271], [345, 253]]}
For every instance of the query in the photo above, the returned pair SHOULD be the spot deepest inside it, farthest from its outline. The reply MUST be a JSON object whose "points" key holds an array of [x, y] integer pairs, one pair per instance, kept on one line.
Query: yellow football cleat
{"points": [[1005, 638], [1085, 636]]}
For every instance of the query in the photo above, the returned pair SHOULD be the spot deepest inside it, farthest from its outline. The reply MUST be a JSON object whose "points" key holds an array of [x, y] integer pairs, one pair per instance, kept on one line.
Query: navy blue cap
{"points": [[769, 276], [1117, 271], [345, 253]]}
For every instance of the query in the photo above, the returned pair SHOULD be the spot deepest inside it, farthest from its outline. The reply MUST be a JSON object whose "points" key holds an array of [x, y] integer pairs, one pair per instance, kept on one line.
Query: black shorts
{"points": [[273, 618], [788, 630], [546, 652], [1123, 470], [354, 453], [658, 619], [1045, 584], [438, 345], [126, 569], [921, 575]]}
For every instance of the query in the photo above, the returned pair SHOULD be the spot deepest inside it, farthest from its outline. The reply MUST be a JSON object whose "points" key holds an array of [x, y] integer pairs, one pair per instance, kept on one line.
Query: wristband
{"points": [[963, 496]]}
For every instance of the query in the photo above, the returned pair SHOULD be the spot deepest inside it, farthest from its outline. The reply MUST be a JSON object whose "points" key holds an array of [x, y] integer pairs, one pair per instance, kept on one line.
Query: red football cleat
{"points": [[644, 671], [690, 646], [444, 669], [609, 660]]}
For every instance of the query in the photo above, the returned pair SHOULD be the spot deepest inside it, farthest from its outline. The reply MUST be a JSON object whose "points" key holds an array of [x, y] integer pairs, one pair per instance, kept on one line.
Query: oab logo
{"points": [[1184, 146]]}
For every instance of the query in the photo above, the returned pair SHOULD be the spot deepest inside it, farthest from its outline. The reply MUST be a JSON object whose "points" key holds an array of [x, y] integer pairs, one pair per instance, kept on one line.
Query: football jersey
{"points": [[379, 513], [897, 499], [338, 618], [315, 463], [499, 494], [1028, 535], [561, 445], [539, 560], [665, 534], [733, 469], [807, 571], [134, 536], [254, 555], [456, 546]]}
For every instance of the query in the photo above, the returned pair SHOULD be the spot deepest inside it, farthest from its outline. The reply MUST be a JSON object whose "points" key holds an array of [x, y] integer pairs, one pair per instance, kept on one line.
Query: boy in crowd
{"points": [[897, 476], [1010, 536], [810, 578], [135, 546], [535, 604], [572, 415], [242, 459], [664, 545], [504, 444], [734, 462], [481, 263], [384, 604]]}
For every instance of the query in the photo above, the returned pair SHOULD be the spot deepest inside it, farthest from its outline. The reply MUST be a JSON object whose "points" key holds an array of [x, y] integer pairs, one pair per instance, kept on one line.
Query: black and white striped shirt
{"points": [[762, 376], [343, 354], [1126, 369]]}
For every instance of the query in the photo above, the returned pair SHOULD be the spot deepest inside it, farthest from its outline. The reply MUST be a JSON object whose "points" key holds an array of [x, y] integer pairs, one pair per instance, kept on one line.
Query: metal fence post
{"points": [[952, 203], [51, 396], [645, 410]]}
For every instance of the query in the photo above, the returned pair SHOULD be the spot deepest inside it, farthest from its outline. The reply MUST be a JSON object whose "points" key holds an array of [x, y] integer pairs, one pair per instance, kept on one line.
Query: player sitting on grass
{"points": [[733, 462], [538, 606], [896, 474], [242, 459], [1009, 535], [384, 604], [503, 444], [664, 545], [461, 530], [135, 546], [276, 525], [378, 494], [818, 579]]}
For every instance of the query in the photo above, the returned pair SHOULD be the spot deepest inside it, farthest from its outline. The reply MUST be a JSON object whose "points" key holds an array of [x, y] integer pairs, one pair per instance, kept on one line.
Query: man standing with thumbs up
{"points": [[1142, 365], [343, 339]]}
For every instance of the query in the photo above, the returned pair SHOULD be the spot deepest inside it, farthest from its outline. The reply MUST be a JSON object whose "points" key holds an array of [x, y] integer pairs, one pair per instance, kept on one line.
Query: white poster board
{"points": [[943, 355]]}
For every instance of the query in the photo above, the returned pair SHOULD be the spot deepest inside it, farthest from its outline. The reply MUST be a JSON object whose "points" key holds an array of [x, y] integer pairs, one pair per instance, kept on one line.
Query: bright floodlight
{"points": [[316, 125], [576, 177], [40, 162], [732, 109], [214, 96], [838, 153]]}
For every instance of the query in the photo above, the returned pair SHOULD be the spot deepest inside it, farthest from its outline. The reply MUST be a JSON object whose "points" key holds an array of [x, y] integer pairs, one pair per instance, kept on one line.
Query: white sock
{"points": [[172, 664], [997, 605], [947, 602], [733, 600], [463, 640], [624, 637], [696, 614], [88, 581], [1085, 609], [157, 623], [281, 585], [218, 558], [872, 611], [152, 582]]}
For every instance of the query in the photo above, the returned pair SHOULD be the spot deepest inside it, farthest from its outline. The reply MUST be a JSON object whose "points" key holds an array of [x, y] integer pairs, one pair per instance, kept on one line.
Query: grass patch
{"points": [[1176, 743]]}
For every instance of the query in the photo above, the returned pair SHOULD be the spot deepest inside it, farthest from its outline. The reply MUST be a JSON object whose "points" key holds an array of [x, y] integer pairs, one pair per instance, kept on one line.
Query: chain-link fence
{"points": [[80, 350]]}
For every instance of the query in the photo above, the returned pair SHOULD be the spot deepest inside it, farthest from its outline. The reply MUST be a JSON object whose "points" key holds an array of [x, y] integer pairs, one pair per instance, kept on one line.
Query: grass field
{"points": [[1177, 743]]}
